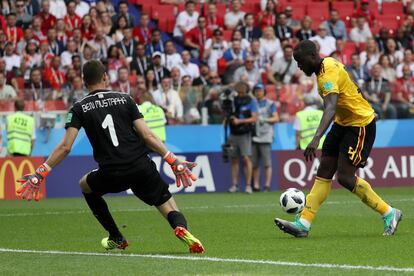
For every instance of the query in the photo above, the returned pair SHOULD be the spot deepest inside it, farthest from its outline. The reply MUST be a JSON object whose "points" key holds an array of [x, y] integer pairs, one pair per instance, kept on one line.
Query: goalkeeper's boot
{"points": [[295, 228], [194, 245], [114, 243], [391, 222]]}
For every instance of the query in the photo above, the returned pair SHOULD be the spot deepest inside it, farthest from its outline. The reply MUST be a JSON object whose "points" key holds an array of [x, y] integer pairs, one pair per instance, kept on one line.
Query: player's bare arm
{"points": [[330, 102], [181, 169], [30, 183]]}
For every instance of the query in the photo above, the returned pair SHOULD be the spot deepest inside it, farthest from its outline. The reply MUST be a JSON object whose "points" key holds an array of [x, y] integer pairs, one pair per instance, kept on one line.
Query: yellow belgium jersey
{"points": [[352, 109]]}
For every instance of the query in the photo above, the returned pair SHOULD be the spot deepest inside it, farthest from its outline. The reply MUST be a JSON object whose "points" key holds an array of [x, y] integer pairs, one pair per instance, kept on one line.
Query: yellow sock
{"points": [[364, 191], [315, 198]]}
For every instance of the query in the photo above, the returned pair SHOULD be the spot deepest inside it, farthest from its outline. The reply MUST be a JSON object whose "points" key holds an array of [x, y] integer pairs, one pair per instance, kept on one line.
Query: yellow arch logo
{"points": [[17, 172]]}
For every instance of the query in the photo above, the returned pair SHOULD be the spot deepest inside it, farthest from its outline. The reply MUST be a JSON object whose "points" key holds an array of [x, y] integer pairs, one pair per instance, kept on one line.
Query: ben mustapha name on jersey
{"points": [[103, 103]]}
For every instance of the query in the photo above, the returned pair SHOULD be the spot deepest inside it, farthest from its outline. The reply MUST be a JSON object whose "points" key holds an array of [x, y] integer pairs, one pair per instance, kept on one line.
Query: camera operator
{"points": [[241, 126]]}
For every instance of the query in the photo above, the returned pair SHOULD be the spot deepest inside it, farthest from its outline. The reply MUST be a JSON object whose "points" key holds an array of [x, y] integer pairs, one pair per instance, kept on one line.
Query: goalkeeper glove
{"points": [[181, 169], [30, 186]]}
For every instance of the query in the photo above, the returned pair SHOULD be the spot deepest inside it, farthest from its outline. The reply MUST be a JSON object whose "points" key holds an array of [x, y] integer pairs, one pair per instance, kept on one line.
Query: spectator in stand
{"points": [[160, 71], [31, 58], [403, 94], [48, 20], [127, 45], [237, 35], [82, 8], [3, 41], [263, 137], [72, 20], [28, 36], [270, 44], [213, 105], [176, 78], [169, 100], [140, 90], [378, 93], [77, 92], [140, 63], [45, 53], [235, 54], [267, 18], [37, 89], [87, 53], [58, 8], [249, 31], [326, 43], [33, 7], [204, 75], [388, 72], [123, 11], [106, 6], [290, 21], [365, 11], [186, 20], [77, 38], [115, 61], [195, 39], [284, 69], [93, 13], [248, 73], [403, 38], [191, 99], [343, 54], [214, 49], [335, 26], [118, 28], [156, 44], [87, 28], [7, 92], [359, 72], [13, 33], [13, 61], [54, 75], [214, 20], [37, 29], [171, 58], [55, 47], [61, 33], [100, 44], [143, 32], [234, 18], [257, 55], [77, 64], [188, 68], [361, 32], [71, 49], [396, 56], [382, 38], [6, 6], [150, 81], [282, 30], [105, 22], [305, 32], [407, 61], [371, 55], [122, 84], [23, 17]]}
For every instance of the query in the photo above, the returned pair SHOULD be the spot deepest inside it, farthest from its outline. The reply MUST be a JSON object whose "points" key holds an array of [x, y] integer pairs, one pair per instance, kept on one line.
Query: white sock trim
{"points": [[165, 156], [388, 212], [305, 223]]}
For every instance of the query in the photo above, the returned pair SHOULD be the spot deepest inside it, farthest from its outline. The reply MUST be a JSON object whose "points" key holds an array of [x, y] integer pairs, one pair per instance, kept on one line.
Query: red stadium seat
{"points": [[54, 105], [395, 8], [271, 93], [163, 24], [163, 11], [227, 35], [318, 10], [391, 22], [350, 46], [221, 9], [299, 10], [264, 77], [344, 8]]}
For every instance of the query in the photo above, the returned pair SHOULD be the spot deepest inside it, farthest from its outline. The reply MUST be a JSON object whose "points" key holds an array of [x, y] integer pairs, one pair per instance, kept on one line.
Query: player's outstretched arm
{"points": [[330, 101], [181, 169], [30, 183]]}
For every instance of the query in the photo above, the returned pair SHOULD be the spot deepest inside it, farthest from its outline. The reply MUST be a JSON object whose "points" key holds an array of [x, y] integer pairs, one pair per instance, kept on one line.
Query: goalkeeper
{"points": [[119, 138]]}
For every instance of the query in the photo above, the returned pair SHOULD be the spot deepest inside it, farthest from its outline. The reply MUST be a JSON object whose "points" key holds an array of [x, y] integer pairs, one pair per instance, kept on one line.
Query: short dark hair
{"points": [[305, 47], [189, 2], [19, 105], [93, 72], [122, 2]]}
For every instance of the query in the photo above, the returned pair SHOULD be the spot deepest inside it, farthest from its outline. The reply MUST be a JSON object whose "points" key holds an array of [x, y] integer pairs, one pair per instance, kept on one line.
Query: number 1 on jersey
{"points": [[109, 123]]}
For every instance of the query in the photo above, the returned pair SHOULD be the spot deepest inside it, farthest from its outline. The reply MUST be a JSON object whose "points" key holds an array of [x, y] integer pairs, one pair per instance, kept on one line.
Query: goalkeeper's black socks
{"points": [[100, 210], [175, 219]]}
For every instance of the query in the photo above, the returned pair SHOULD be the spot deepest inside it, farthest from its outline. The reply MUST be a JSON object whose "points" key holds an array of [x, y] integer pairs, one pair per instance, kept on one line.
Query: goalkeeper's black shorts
{"points": [[144, 180]]}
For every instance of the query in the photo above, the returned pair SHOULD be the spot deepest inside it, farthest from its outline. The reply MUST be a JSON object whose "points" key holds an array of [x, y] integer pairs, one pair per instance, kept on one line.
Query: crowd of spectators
{"points": [[43, 44]]}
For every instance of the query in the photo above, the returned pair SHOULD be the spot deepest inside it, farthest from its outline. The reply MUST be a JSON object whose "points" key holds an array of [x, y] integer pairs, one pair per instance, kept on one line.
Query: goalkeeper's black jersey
{"points": [[107, 117]]}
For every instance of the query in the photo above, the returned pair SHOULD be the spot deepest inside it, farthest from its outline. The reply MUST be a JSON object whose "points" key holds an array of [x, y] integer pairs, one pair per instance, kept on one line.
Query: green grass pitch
{"points": [[237, 231]]}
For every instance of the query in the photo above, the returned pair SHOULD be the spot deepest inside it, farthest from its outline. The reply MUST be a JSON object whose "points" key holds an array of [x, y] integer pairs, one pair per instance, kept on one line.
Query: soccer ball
{"points": [[292, 201]]}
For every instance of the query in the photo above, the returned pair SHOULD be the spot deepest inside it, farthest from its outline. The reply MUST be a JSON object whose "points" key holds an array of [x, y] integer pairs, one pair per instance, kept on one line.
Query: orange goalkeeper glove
{"points": [[181, 169], [30, 186]]}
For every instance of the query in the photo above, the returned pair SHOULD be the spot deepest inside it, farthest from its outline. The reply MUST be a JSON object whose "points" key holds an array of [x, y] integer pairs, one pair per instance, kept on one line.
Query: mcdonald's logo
{"points": [[12, 169]]}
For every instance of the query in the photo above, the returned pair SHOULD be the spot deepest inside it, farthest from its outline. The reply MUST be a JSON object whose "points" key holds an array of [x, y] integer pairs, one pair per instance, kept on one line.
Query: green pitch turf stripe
{"points": [[217, 260]]}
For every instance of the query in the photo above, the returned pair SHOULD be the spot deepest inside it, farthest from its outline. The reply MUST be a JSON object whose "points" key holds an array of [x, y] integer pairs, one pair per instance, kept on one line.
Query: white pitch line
{"points": [[214, 259], [235, 206]]}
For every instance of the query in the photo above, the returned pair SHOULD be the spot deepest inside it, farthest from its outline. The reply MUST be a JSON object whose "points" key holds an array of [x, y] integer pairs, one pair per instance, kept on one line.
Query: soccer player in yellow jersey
{"points": [[347, 145]]}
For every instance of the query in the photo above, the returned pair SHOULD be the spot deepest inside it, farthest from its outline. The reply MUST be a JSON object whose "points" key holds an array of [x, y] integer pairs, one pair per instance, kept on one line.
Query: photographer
{"points": [[241, 126]]}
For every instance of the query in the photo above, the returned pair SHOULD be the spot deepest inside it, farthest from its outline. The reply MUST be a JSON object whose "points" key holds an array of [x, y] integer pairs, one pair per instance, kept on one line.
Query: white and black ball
{"points": [[292, 201]]}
